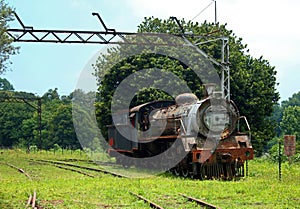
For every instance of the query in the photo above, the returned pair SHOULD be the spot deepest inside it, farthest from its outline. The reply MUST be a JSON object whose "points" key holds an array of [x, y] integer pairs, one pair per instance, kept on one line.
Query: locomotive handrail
{"points": [[245, 119], [182, 124], [248, 126]]}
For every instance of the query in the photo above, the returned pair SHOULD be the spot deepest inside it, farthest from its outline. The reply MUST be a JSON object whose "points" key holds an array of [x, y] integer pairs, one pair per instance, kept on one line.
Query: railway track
{"points": [[151, 203], [91, 162], [31, 202], [154, 205], [70, 169], [20, 170], [200, 202], [82, 167]]}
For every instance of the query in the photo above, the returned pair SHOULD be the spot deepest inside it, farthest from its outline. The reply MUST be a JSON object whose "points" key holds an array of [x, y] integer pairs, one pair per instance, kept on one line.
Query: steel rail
{"points": [[85, 167], [74, 170], [200, 202], [152, 204], [20, 170], [31, 202]]}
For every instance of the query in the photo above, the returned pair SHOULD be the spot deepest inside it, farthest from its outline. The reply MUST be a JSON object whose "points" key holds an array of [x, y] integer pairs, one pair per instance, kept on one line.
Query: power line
{"points": [[213, 1]]}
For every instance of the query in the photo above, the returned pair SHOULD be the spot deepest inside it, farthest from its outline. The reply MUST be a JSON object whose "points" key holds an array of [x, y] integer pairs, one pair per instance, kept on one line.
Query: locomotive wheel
{"points": [[176, 171], [185, 172], [170, 171], [195, 174], [202, 172]]}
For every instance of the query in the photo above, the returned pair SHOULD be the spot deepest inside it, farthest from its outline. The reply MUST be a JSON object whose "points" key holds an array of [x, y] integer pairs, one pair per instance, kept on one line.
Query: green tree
{"points": [[276, 117], [61, 128], [278, 110], [253, 80], [51, 95], [57, 123], [13, 111], [6, 48], [292, 101], [5, 85], [290, 123]]}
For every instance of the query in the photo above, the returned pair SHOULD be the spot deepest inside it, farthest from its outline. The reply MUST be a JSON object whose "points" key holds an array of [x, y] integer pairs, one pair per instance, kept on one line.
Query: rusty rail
{"points": [[66, 168], [74, 170], [200, 202], [20, 170], [152, 204], [31, 203], [85, 167]]}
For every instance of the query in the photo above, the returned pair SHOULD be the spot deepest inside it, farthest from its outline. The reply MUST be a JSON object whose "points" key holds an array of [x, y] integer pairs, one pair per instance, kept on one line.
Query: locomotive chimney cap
{"points": [[209, 89], [186, 98]]}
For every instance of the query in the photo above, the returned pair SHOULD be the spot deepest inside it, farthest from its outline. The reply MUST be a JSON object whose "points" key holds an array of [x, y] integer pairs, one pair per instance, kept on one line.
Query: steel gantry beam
{"points": [[111, 36], [29, 34], [107, 36]]}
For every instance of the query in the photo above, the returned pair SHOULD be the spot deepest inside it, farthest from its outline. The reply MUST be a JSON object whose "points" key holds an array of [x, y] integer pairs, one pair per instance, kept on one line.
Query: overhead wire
{"points": [[203, 9]]}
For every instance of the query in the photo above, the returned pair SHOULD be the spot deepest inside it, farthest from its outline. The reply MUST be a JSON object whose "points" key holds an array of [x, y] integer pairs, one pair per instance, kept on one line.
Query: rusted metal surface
{"points": [[200, 202], [31, 202], [209, 134], [289, 145]]}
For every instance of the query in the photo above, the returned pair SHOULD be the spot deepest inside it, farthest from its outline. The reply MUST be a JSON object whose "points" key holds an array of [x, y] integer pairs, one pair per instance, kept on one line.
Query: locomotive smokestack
{"points": [[209, 89]]}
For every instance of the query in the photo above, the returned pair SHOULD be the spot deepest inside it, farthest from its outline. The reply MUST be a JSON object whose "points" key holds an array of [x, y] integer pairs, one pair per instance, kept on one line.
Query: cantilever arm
{"points": [[102, 22]]}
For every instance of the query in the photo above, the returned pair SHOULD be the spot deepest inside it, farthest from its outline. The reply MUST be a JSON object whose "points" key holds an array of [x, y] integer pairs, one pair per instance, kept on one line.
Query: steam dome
{"points": [[186, 98]]}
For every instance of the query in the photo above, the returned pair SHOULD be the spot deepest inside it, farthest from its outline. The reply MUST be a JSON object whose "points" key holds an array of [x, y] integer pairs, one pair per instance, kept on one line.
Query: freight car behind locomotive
{"points": [[204, 132]]}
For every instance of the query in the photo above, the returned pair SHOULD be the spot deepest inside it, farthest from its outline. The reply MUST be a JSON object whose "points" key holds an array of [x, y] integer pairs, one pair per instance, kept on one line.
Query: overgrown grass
{"points": [[58, 188]]}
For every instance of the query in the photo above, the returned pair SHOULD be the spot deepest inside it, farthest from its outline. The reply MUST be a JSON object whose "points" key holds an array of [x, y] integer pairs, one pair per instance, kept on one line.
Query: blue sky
{"points": [[270, 28]]}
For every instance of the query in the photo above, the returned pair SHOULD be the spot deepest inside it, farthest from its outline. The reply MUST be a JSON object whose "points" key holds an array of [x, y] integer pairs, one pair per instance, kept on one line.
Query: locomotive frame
{"points": [[221, 159]]}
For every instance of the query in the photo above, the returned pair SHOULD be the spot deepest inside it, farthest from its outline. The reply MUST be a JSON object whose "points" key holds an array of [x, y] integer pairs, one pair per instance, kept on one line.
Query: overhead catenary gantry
{"points": [[111, 36]]}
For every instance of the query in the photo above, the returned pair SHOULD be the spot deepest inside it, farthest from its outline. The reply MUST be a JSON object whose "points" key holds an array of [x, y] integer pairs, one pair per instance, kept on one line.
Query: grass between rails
{"points": [[58, 188]]}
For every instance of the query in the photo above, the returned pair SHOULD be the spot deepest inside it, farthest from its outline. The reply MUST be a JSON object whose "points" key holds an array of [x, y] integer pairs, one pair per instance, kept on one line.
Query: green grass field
{"points": [[58, 188]]}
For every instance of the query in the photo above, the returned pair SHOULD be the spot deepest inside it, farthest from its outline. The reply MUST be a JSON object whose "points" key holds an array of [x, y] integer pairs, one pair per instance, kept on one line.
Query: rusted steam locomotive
{"points": [[188, 137]]}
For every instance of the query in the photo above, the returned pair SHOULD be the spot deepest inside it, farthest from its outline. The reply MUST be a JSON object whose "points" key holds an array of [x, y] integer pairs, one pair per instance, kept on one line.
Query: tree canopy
{"points": [[5, 85], [6, 47], [287, 116], [252, 79], [19, 120]]}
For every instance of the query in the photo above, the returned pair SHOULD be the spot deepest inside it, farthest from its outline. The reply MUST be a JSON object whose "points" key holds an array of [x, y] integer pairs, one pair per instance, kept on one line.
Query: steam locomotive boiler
{"points": [[188, 136]]}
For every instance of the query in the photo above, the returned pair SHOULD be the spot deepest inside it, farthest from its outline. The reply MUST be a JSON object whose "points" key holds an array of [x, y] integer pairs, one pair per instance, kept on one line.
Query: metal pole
{"points": [[279, 160], [247, 174], [40, 122], [215, 11]]}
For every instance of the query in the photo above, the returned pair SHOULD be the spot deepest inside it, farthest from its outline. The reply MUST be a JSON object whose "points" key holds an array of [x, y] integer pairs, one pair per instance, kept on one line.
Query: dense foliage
{"points": [[19, 120], [12, 114], [287, 116], [6, 48], [5, 85], [253, 80]]}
